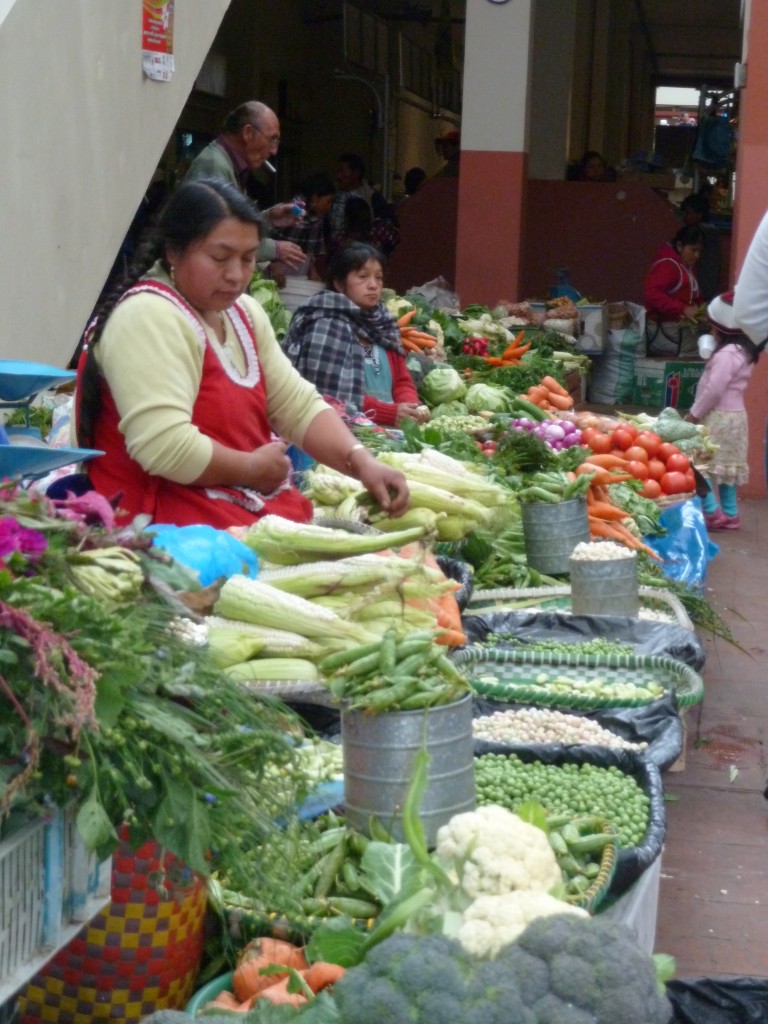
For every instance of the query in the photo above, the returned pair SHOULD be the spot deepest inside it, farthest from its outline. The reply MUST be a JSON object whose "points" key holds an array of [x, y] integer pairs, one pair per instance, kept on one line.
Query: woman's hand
{"points": [[271, 467], [385, 484], [408, 411]]}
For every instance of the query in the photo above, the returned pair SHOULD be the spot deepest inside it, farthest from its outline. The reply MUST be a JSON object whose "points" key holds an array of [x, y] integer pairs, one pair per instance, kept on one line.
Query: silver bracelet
{"points": [[350, 453]]}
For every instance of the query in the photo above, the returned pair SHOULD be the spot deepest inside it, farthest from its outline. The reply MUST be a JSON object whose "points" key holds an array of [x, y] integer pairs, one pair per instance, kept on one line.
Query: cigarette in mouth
{"points": [[270, 167]]}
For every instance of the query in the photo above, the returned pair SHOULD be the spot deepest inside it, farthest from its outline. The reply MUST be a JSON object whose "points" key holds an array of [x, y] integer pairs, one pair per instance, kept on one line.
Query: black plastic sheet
{"points": [[461, 573], [658, 724], [647, 637], [631, 862], [719, 1000]]}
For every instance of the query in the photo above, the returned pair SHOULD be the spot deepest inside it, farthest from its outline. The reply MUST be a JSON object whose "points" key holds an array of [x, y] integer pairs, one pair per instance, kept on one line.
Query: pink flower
{"points": [[14, 537], [90, 508]]}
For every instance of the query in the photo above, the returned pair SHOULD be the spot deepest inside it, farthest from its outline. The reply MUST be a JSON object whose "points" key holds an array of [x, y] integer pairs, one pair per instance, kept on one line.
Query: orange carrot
{"points": [[559, 402], [278, 993], [619, 533], [513, 346], [555, 386], [607, 461], [321, 974], [493, 360], [405, 319], [264, 952], [451, 638], [605, 510], [226, 1001], [537, 394], [411, 346]]}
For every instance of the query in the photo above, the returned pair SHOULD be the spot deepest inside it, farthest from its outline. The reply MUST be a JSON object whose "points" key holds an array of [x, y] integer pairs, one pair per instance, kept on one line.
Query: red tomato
{"points": [[587, 434], [638, 469], [601, 444], [674, 483], [623, 438], [656, 469], [678, 463], [651, 489], [649, 440], [691, 480], [666, 449], [636, 454]]}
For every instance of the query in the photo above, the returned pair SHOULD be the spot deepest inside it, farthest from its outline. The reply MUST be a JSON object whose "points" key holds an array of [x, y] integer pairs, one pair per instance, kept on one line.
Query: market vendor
{"points": [[346, 342], [672, 298], [182, 383]]}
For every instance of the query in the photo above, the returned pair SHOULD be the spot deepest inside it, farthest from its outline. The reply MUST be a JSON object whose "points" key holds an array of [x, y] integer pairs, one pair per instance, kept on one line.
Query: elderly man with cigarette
{"points": [[249, 137]]}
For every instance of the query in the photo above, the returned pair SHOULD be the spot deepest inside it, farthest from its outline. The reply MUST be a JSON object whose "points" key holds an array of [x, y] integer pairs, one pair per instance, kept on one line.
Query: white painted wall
{"points": [[497, 48], [81, 132]]}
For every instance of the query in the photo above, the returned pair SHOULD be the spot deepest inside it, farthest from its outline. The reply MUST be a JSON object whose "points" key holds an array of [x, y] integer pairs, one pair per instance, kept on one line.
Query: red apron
{"points": [[229, 408]]}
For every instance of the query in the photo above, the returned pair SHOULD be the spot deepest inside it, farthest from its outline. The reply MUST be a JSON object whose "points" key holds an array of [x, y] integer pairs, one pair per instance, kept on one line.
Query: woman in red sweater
{"points": [[348, 345], [672, 298]]}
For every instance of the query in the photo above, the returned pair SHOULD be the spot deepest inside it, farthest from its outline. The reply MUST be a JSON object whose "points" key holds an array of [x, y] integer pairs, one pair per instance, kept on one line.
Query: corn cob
{"points": [[284, 542], [325, 486], [276, 643], [447, 474], [253, 601], [277, 669], [310, 579]]}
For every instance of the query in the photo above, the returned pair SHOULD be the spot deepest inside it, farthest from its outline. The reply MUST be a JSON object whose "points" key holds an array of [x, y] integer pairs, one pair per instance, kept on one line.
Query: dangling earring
{"points": [[173, 277]]}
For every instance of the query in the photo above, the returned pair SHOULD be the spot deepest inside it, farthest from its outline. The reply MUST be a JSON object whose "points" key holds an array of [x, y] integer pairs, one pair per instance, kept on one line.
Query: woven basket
{"points": [[593, 897], [140, 955], [516, 673], [296, 690], [653, 598]]}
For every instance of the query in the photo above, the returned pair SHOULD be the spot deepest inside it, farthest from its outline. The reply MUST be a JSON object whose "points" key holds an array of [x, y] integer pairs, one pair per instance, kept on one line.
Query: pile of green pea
{"points": [[596, 645], [569, 788]]}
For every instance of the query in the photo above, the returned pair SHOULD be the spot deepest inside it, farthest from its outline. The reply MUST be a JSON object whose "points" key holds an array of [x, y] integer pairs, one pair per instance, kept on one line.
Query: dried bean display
{"points": [[540, 725]]}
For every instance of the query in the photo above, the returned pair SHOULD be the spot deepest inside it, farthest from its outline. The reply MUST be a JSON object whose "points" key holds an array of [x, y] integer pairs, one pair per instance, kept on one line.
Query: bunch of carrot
{"points": [[258, 975], [549, 395], [413, 340], [512, 354], [606, 520]]}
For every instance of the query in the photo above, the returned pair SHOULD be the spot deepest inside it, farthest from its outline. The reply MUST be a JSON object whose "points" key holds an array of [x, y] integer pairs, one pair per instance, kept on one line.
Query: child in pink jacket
{"points": [[719, 405]]}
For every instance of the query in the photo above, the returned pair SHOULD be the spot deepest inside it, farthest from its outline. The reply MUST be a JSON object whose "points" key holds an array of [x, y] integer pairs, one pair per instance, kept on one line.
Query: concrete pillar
{"points": [[551, 88], [497, 76]]}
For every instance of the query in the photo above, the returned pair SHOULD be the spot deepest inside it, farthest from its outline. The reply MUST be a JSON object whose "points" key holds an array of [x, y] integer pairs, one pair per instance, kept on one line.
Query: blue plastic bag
{"points": [[209, 552], [686, 547]]}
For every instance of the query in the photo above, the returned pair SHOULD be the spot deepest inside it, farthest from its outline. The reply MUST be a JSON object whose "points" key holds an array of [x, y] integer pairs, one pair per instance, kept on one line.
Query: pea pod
{"points": [[330, 867]]}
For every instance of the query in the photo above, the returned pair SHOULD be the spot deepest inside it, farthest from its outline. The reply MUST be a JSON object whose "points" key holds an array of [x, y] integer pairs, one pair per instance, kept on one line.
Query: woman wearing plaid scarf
{"points": [[346, 342]]}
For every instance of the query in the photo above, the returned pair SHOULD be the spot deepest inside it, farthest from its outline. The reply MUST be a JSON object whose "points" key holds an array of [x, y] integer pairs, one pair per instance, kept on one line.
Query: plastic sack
{"points": [[612, 377], [211, 553], [658, 724], [686, 547], [647, 637], [719, 1000]]}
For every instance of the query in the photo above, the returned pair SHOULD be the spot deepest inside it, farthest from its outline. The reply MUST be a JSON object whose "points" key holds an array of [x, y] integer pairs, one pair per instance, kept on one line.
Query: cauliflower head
{"points": [[493, 851], [490, 923]]}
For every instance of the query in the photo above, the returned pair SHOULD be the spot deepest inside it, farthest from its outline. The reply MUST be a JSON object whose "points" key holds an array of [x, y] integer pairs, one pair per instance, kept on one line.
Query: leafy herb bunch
{"points": [[109, 704]]}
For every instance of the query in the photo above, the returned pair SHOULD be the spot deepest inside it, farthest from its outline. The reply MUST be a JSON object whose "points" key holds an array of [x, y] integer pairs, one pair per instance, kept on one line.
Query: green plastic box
{"points": [[663, 383]]}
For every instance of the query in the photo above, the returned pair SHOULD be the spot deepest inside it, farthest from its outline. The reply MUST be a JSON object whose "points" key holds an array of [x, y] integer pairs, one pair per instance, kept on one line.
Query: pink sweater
{"points": [[723, 382]]}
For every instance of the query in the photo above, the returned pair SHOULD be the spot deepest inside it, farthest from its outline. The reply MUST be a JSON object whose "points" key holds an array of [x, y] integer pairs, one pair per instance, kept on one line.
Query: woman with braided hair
{"points": [[183, 386]]}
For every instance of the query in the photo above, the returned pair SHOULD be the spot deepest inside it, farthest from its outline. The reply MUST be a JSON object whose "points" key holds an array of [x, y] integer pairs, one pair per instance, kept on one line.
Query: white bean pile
{"points": [[540, 725], [601, 551]]}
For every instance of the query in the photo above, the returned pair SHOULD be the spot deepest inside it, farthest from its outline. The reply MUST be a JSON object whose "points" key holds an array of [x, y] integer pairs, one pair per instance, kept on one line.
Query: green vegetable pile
{"points": [[596, 645], [267, 295], [570, 788]]}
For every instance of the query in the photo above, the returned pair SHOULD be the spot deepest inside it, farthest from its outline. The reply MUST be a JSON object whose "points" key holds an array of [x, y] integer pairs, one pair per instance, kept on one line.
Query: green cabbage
{"points": [[454, 408], [486, 398], [443, 384]]}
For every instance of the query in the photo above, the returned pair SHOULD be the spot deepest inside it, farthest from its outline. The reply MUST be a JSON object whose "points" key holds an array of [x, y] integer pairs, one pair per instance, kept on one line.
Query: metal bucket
{"points": [[552, 531], [605, 587], [378, 757]]}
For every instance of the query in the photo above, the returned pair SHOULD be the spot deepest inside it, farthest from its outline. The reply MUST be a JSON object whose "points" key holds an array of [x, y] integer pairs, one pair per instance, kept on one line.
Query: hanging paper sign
{"points": [[157, 39]]}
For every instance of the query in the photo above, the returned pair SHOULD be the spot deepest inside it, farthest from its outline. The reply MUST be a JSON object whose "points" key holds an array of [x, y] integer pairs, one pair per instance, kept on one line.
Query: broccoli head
{"points": [[597, 972]]}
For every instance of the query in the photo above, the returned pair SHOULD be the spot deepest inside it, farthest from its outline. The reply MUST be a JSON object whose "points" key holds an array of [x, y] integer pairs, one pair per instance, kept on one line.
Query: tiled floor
{"points": [[713, 900]]}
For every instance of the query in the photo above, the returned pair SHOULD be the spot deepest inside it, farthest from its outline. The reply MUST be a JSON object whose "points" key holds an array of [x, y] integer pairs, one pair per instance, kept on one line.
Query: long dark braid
{"points": [[191, 213], [89, 384]]}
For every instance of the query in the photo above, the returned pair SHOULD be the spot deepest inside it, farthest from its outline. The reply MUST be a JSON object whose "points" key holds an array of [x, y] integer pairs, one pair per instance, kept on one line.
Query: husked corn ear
{"points": [[253, 601], [311, 579], [448, 474], [277, 669], [284, 542], [274, 642]]}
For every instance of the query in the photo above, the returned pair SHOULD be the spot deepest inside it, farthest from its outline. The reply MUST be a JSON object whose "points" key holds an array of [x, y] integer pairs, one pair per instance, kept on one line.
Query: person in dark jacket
{"points": [[346, 342]]}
